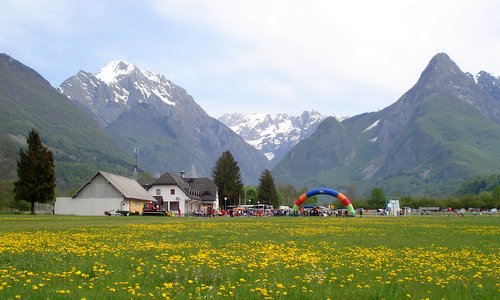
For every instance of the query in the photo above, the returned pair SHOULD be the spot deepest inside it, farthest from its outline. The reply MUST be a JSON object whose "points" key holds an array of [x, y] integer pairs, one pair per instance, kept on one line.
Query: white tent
{"points": [[393, 207]]}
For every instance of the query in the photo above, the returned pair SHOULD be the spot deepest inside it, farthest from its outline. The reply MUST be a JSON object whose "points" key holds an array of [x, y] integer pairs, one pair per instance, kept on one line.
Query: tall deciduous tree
{"points": [[266, 192], [35, 173], [227, 177], [288, 193], [250, 194], [377, 198]]}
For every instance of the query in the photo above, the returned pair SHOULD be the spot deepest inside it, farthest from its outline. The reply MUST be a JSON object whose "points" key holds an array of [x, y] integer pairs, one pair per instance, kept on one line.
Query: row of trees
{"points": [[481, 200], [227, 177]]}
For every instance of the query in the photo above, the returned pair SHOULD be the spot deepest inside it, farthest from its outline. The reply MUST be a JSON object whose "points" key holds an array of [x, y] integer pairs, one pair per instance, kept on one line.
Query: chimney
{"points": [[183, 173]]}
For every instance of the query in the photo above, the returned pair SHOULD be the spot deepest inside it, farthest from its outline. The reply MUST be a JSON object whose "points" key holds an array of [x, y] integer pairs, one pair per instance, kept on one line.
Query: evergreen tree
{"points": [[226, 175], [35, 173], [266, 192]]}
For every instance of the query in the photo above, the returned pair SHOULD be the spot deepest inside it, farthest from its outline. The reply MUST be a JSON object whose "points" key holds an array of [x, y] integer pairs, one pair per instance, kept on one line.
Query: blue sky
{"points": [[336, 57]]}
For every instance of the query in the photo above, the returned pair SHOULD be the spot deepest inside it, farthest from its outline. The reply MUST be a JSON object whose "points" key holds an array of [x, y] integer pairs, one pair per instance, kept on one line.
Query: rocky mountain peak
{"points": [[442, 71], [443, 79], [442, 63], [118, 87], [273, 134], [442, 76]]}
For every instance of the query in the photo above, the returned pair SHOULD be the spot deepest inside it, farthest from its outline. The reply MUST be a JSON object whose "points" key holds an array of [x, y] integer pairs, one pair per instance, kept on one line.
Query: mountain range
{"points": [[273, 134], [445, 129], [143, 110]]}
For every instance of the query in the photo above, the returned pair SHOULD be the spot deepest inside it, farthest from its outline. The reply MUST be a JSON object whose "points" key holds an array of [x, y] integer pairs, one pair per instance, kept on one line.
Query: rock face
{"points": [[273, 134], [444, 129], [143, 110]]}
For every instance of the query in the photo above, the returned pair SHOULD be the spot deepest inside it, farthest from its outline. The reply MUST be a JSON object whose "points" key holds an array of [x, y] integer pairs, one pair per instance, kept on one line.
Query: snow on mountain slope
{"points": [[114, 70], [273, 134], [118, 87]]}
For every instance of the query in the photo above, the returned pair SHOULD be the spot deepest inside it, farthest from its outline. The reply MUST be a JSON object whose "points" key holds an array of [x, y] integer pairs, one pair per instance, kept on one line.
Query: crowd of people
{"points": [[325, 212], [243, 212], [272, 212]]}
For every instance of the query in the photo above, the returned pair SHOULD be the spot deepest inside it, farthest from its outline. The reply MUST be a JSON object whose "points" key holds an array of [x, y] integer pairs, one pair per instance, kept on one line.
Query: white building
{"points": [[104, 192], [178, 194]]}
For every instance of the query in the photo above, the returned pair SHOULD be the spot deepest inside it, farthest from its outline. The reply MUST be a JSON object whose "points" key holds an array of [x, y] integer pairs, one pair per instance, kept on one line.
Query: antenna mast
{"points": [[135, 166]]}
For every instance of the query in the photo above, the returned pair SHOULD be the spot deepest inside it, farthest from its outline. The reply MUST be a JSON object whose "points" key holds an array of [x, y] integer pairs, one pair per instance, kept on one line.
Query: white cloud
{"points": [[320, 44], [281, 56], [20, 18]]}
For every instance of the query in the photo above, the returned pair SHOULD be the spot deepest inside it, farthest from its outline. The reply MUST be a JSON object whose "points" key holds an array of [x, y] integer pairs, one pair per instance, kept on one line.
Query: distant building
{"points": [[187, 195], [104, 192]]}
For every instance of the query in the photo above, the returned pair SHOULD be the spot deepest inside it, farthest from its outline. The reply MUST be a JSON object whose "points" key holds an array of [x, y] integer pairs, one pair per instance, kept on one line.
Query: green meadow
{"points": [[418, 257]]}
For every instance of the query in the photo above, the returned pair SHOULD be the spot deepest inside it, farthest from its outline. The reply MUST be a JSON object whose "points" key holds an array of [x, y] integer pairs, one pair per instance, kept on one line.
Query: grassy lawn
{"points": [[432, 257]]}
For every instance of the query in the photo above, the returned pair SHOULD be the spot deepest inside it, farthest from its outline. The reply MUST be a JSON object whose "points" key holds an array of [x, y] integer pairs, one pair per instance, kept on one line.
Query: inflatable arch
{"points": [[324, 191]]}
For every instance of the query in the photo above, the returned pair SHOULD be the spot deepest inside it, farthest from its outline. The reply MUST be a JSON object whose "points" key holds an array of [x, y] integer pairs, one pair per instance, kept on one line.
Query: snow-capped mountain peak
{"points": [[117, 88], [145, 82], [273, 134], [115, 70]]}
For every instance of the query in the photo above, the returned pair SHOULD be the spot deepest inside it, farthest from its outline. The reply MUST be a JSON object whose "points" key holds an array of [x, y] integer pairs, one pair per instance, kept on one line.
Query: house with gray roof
{"points": [[208, 191], [104, 192], [178, 194]]}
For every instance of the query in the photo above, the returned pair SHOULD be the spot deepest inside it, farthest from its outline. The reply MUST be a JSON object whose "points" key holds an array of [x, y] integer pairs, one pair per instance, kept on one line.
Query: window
{"points": [[172, 191], [158, 192]]}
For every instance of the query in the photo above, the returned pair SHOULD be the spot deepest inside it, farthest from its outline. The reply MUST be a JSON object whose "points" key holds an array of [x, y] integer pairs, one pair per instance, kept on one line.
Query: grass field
{"points": [[429, 257]]}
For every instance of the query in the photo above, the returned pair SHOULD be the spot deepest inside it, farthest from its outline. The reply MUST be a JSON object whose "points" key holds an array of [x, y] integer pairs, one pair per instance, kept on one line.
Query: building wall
{"points": [[99, 188], [86, 206], [96, 206], [170, 199]]}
